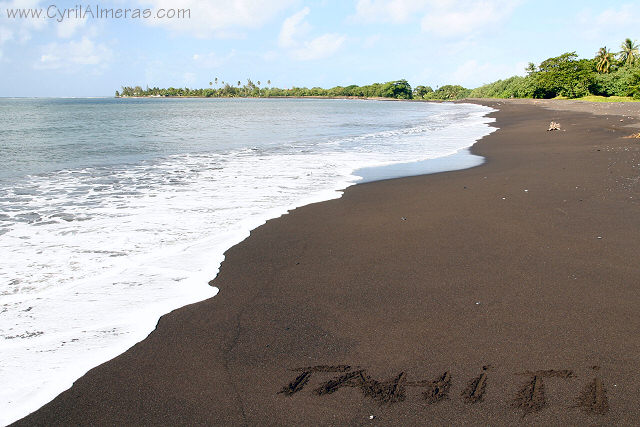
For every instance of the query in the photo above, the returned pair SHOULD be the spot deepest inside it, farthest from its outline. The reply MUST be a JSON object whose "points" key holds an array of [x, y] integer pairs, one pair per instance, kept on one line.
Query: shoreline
{"points": [[460, 160], [350, 249], [65, 378], [569, 103], [354, 98]]}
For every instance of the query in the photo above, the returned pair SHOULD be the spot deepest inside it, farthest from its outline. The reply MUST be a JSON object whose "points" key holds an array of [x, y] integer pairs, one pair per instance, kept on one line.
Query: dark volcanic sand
{"points": [[489, 304]]}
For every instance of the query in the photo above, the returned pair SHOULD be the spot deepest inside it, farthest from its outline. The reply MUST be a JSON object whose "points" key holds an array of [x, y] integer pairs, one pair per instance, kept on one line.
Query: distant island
{"points": [[607, 76]]}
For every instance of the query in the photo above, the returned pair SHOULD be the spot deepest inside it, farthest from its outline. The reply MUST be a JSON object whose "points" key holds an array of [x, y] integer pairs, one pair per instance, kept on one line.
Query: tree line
{"points": [[398, 89], [607, 74]]}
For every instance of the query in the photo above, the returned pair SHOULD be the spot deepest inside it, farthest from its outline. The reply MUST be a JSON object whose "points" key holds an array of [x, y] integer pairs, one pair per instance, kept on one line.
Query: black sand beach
{"points": [[504, 294]]}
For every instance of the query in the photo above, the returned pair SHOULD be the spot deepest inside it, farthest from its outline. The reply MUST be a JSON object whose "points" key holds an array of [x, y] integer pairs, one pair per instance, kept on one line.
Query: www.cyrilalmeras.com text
{"points": [[95, 12]]}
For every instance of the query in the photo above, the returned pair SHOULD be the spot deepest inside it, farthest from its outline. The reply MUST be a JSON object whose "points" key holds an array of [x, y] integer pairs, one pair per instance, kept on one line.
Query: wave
{"points": [[98, 254]]}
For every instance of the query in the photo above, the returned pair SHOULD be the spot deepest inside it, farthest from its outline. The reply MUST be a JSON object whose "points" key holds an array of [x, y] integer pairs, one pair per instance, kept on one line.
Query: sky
{"points": [[294, 43]]}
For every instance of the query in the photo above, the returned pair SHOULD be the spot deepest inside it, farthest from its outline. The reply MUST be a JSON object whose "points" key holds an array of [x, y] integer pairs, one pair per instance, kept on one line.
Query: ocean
{"points": [[114, 212]]}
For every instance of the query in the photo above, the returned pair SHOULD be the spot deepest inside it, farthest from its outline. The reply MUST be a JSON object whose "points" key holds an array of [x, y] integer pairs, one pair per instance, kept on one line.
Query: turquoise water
{"points": [[114, 212]]}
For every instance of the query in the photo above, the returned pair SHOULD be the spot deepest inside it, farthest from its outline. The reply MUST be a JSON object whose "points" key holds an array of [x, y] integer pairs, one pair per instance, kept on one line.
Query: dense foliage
{"points": [[568, 76], [399, 89], [513, 87], [607, 74], [565, 75], [448, 93]]}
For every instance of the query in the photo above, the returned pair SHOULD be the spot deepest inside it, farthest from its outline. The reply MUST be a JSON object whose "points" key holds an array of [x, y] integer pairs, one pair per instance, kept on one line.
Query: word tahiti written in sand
{"points": [[530, 398]]}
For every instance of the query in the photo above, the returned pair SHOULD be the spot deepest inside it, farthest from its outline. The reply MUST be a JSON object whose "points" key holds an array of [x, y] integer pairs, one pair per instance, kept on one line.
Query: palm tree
{"points": [[239, 83], [629, 52], [216, 80], [210, 83], [268, 82], [604, 59]]}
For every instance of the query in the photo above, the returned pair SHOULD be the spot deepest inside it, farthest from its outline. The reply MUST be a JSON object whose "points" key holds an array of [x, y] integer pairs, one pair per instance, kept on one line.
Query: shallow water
{"points": [[462, 159]]}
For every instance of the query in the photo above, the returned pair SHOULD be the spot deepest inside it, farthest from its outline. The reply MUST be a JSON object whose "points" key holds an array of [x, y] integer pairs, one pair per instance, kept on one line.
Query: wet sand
{"points": [[508, 293]]}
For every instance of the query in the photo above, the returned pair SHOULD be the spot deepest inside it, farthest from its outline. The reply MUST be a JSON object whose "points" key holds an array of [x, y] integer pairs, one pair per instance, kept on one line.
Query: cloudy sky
{"points": [[294, 42]]}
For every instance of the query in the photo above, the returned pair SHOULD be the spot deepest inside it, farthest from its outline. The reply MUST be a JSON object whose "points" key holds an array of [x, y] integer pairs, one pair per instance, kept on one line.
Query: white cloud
{"points": [[623, 16], [18, 30], [269, 55], [74, 54], [473, 73], [321, 47], [292, 36], [216, 18], [371, 41], [396, 11], [5, 35], [610, 23], [189, 78], [444, 18], [446, 21], [211, 59], [293, 28], [67, 28]]}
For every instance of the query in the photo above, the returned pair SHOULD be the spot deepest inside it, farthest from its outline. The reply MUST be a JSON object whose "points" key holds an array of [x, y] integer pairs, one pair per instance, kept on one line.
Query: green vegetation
{"points": [[607, 76], [513, 87], [597, 98], [629, 52], [398, 89], [604, 59], [448, 93]]}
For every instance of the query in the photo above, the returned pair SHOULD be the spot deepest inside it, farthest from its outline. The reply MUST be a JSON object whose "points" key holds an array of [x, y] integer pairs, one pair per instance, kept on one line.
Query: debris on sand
{"points": [[554, 126]]}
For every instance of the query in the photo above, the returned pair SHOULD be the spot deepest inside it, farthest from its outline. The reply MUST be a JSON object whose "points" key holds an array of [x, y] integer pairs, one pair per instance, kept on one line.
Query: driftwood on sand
{"points": [[554, 126]]}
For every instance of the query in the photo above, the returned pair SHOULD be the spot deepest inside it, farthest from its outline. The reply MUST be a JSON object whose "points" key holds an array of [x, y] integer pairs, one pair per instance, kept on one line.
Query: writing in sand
{"points": [[530, 397]]}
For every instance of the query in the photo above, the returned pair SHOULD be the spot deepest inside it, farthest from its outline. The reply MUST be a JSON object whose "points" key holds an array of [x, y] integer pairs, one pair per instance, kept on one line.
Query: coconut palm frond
{"points": [[629, 52]]}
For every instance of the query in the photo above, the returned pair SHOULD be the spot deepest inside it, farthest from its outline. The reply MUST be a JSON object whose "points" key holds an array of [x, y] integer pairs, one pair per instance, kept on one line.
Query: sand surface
{"points": [[504, 294]]}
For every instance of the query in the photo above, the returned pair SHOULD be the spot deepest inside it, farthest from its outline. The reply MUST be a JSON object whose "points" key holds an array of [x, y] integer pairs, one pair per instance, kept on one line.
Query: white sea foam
{"points": [[91, 258]]}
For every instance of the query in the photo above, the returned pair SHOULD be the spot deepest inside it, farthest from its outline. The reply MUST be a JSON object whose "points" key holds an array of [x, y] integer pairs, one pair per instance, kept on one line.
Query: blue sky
{"points": [[301, 43]]}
